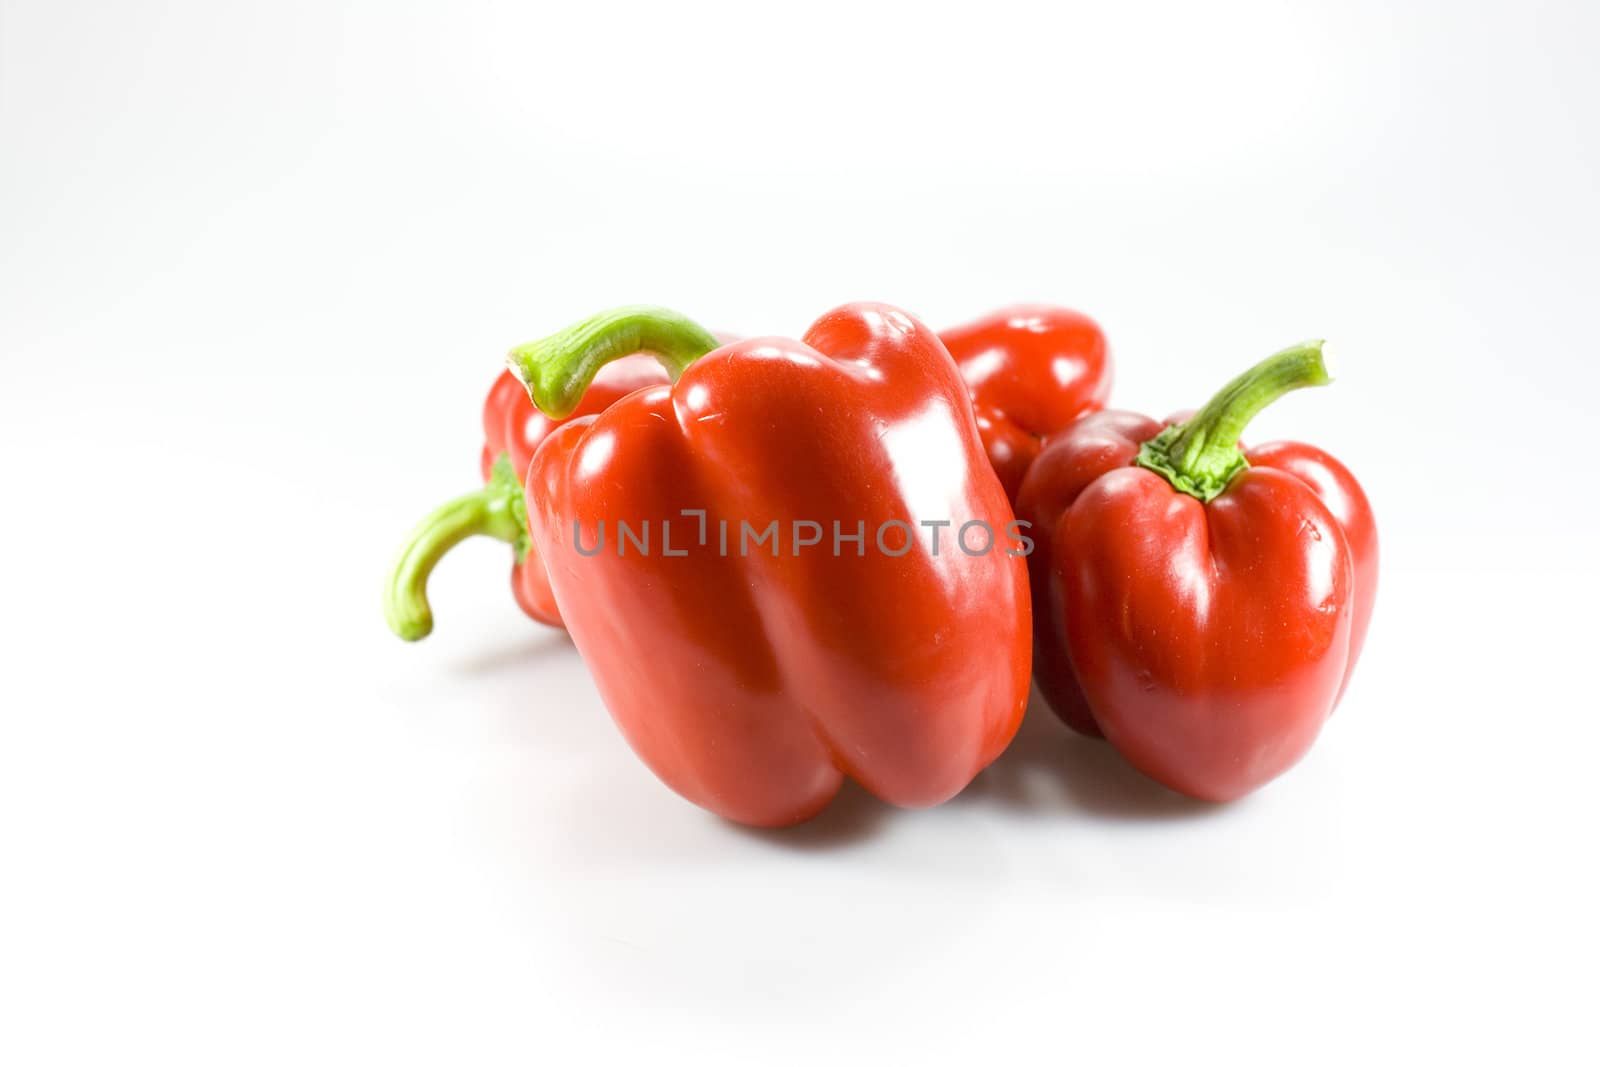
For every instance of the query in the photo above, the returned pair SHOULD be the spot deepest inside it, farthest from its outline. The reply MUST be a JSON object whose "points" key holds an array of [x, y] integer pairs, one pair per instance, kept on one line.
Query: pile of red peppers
{"points": [[791, 561]]}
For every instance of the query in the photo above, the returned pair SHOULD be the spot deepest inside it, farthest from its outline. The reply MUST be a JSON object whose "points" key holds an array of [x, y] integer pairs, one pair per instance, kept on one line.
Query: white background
{"points": [[258, 265]]}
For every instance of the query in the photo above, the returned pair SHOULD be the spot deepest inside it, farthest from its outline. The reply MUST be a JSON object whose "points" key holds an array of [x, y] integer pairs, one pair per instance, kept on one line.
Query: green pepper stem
{"points": [[497, 510], [1201, 455], [558, 369]]}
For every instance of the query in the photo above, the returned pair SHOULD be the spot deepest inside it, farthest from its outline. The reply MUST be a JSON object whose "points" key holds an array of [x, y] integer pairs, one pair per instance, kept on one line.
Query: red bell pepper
{"points": [[1200, 604], [1032, 369], [753, 678], [512, 429]]}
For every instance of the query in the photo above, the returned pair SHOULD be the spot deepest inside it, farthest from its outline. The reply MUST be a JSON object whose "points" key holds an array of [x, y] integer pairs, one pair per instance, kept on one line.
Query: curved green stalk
{"points": [[1201, 455], [497, 510], [558, 369]]}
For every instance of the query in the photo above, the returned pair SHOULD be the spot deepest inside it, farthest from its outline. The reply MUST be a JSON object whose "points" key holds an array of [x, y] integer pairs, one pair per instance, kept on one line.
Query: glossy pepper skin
{"points": [[1201, 605], [1033, 370], [512, 430], [754, 683]]}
